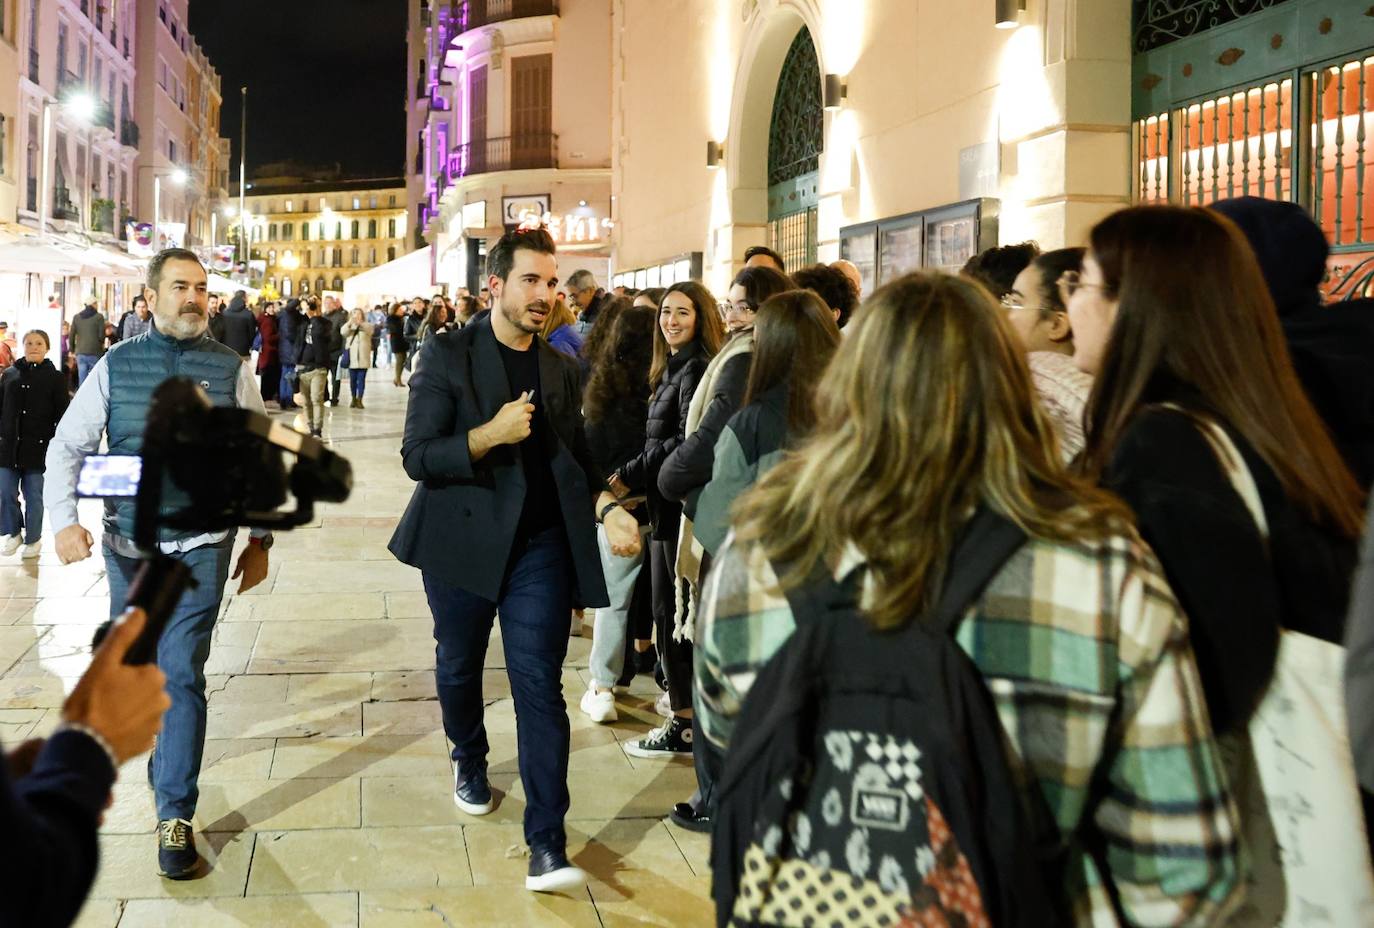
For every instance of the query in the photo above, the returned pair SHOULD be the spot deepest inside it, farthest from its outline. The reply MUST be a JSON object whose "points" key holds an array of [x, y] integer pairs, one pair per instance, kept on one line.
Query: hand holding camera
{"points": [[121, 702]]}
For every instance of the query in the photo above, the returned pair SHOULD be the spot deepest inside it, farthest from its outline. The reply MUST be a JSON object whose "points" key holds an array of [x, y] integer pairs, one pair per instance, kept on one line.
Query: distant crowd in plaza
{"points": [[1026, 595]]}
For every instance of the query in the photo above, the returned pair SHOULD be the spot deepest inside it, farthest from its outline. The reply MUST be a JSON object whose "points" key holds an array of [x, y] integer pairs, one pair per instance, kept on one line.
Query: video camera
{"points": [[222, 468]]}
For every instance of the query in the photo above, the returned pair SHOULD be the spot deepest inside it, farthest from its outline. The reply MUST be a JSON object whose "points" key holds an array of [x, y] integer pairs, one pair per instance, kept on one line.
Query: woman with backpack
{"points": [[1199, 422], [928, 516], [795, 337], [688, 335], [615, 406]]}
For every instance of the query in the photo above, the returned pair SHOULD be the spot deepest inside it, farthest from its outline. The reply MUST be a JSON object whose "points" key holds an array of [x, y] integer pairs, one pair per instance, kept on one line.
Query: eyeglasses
{"points": [[1070, 282], [741, 307], [1011, 303]]}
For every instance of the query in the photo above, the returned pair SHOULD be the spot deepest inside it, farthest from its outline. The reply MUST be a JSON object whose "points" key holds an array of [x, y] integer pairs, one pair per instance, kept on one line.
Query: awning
{"points": [[406, 277], [222, 285], [36, 256]]}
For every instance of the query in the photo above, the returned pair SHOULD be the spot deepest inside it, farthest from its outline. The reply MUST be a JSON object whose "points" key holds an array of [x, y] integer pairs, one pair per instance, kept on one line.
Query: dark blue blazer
{"points": [[460, 524]]}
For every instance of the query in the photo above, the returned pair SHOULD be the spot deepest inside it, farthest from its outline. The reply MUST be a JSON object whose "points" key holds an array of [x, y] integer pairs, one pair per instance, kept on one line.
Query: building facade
{"points": [[68, 49], [177, 106], [509, 123], [899, 136], [311, 235]]}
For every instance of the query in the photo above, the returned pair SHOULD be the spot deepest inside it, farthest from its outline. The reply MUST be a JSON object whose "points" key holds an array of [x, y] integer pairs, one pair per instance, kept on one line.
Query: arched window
{"points": [[306, 253], [796, 137], [319, 284], [355, 226], [271, 257], [305, 285], [372, 256], [391, 253], [288, 231], [338, 282], [286, 286], [353, 257], [272, 232], [338, 231], [305, 231], [372, 227]]}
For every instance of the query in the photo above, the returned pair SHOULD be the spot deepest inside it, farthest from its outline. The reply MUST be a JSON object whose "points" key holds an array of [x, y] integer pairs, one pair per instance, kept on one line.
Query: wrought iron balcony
{"points": [[508, 153], [473, 14], [63, 207]]}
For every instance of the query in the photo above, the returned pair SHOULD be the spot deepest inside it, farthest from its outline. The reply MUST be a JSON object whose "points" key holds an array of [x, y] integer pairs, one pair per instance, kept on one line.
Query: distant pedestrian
{"points": [[335, 315], [314, 367], [136, 321], [269, 355], [240, 326], [357, 333], [33, 397], [88, 340], [396, 335]]}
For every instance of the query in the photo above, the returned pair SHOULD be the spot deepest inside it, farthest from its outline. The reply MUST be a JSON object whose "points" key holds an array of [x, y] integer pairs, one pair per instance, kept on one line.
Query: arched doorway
{"points": [[796, 137]]}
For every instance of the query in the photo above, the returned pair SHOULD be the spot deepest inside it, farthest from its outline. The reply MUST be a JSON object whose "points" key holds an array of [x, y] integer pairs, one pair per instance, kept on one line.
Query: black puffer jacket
{"points": [[240, 327], [33, 398], [315, 341], [664, 430], [290, 332], [688, 468], [619, 437]]}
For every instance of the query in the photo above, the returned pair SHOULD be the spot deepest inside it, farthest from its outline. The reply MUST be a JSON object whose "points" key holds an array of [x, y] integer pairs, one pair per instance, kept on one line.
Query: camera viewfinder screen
{"points": [[109, 475]]}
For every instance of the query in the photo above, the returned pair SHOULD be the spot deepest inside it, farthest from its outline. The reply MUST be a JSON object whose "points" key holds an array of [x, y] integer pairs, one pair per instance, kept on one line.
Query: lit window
{"points": [[356, 203], [289, 206]]}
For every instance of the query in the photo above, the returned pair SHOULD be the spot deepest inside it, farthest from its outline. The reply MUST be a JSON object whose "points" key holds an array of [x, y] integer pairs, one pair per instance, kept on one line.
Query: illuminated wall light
{"points": [[836, 91], [715, 153], [1008, 13]]}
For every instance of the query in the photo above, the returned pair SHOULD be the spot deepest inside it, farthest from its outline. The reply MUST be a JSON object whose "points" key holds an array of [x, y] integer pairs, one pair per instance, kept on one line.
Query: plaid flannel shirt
{"points": [[1085, 650]]}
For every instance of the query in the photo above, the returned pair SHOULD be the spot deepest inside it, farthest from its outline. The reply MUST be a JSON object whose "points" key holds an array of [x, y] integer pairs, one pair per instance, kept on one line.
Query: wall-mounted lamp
{"points": [[836, 91], [1008, 13], [715, 153]]}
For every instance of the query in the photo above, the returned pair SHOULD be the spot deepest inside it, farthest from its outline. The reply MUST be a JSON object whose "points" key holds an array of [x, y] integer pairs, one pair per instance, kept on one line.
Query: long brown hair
{"points": [[1194, 315], [926, 411], [559, 315], [709, 330], [599, 336], [795, 337], [621, 371]]}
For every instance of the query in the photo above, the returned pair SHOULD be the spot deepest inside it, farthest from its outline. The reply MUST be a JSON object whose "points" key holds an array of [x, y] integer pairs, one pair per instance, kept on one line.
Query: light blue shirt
{"points": [[80, 433]]}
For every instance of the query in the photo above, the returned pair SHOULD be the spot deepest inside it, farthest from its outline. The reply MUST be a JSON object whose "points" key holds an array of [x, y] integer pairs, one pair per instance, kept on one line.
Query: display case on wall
{"points": [[942, 238], [664, 274]]}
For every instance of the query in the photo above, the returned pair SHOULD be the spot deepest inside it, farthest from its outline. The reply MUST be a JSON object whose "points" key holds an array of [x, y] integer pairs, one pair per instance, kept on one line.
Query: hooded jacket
{"points": [[240, 325], [32, 398], [290, 330], [1330, 344]]}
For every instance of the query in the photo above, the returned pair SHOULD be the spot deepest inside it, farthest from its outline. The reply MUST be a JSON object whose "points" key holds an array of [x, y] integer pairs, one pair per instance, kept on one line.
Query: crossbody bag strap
{"points": [[985, 545], [1232, 464]]}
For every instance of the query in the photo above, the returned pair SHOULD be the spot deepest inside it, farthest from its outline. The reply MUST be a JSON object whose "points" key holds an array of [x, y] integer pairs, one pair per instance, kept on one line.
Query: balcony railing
{"points": [[63, 207], [128, 133], [473, 14], [509, 153], [66, 80], [33, 65]]}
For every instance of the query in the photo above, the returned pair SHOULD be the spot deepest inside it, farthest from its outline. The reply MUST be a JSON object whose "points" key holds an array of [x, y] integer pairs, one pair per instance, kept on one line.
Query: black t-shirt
{"points": [[541, 510]]}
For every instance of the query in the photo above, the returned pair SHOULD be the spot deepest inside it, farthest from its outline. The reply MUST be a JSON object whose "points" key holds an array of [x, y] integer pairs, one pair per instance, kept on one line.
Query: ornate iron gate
{"points": [[796, 136]]}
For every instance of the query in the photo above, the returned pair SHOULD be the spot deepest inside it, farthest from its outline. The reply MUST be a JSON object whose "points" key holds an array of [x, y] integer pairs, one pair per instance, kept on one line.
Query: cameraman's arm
{"points": [[78, 435]]}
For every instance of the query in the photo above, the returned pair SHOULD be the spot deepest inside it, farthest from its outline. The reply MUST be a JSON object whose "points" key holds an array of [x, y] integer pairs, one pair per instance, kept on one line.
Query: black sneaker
{"points": [[672, 739], [471, 791], [685, 815], [177, 858], [550, 871], [645, 661]]}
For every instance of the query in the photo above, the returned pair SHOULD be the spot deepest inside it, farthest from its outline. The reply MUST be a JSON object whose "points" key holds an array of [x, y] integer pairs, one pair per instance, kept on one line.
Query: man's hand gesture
{"points": [[511, 425], [74, 544]]}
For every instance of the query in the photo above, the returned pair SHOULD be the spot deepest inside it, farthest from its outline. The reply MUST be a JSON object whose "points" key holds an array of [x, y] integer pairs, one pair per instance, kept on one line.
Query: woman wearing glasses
{"points": [[1037, 312]]}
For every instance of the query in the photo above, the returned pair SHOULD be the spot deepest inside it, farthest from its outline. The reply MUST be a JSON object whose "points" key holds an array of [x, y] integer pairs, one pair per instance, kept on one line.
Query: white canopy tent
{"points": [[406, 277], [227, 288]]}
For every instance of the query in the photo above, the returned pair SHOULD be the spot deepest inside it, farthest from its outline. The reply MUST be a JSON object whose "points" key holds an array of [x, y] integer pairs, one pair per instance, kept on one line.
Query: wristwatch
{"points": [[265, 542], [601, 516]]}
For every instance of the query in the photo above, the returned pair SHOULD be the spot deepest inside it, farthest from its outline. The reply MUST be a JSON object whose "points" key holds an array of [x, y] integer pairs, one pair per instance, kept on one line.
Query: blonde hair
{"points": [[926, 412], [559, 316]]}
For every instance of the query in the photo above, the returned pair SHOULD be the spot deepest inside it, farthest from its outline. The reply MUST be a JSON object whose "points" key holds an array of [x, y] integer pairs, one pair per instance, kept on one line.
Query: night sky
{"points": [[326, 80]]}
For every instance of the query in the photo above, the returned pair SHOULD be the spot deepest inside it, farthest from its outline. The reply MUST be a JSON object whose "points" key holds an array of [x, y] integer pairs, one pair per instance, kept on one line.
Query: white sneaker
{"points": [[8, 545], [663, 706], [31, 551], [599, 707]]}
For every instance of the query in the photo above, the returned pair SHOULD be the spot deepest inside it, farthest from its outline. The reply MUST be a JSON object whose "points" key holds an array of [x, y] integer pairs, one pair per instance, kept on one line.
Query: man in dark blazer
{"points": [[503, 522]]}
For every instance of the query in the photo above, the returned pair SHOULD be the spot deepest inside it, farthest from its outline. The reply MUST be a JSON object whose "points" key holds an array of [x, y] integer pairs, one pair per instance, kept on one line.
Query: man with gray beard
{"points": [[113, 403]]}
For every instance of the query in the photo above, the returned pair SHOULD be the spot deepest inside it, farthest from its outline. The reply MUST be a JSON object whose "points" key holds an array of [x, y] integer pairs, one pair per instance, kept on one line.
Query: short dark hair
{"points": [[832, 285], [753, 250], [760, 283], [138, 298], [501, 256], [1052, 265], [996, 268], [161, 258]]}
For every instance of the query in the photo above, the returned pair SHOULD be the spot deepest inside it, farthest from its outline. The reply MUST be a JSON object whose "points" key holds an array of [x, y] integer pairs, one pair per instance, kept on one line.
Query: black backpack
{"points": [[867, 782]]}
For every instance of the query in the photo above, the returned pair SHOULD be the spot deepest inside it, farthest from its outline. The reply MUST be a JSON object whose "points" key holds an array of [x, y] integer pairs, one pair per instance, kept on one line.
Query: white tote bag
{"points": [[1294, 776]]}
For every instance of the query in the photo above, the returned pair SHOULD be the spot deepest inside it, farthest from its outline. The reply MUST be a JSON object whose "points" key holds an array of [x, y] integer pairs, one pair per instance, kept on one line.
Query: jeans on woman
{"points": [[607, 661], [357, 381], [12, 479]]}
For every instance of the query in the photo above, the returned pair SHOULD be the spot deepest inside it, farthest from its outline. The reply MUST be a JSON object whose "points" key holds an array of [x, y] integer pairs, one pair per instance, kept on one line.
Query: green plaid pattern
{"points": [[1085, 650]]}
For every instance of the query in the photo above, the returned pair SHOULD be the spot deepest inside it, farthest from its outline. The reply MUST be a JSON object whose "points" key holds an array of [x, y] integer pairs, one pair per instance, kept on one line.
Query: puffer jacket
{"points": [[664, 430], [33, 398]]}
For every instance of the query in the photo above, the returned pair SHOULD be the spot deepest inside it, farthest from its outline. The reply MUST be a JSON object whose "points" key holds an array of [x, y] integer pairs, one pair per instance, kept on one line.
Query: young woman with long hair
{"points": [[560, 329], [615, 407], [689, 333], [925, 415], [1172, 317], [795, 336]]}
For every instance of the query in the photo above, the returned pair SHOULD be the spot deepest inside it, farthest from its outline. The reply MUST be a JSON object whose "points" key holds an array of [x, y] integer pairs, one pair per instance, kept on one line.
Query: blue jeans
{"points": [[31, 519], [607, 660], [285, 389], [357, 381], [181, 656], [535, 607], [84, 363]]}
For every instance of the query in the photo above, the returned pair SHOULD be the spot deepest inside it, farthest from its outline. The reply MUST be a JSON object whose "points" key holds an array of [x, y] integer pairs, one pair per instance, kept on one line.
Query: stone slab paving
{"points": [[325, 794]]}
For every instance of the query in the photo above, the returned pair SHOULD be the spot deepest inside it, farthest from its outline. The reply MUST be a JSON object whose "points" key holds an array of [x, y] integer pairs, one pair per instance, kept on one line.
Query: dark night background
{"points": [[326, 80]]}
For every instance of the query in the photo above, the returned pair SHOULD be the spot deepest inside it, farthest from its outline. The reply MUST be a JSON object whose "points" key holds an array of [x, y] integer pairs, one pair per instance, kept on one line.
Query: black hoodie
{"points": [[240, 327], [1331, 345]]}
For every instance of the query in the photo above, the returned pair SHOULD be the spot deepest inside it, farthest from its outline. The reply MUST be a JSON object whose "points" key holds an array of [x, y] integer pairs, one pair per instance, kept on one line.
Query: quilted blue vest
{"points": [[137, 367]]}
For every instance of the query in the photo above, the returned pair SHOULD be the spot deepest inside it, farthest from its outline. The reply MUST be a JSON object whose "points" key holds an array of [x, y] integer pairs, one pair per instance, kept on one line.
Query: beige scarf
{"points": [[689, 550]]}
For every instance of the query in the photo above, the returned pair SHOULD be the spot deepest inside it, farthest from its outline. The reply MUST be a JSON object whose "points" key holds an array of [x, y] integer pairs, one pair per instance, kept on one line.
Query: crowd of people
{"points": [[1025, 595]]}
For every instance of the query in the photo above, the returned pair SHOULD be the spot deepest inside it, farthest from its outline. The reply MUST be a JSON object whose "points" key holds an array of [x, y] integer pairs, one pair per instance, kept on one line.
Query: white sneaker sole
{"points": [[471, 809], [602, 716], [560, 880], [634, 750]]}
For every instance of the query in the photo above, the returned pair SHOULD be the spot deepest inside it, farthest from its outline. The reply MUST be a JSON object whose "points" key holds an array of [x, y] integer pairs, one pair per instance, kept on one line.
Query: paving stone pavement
{"points": [[325, 793]]}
